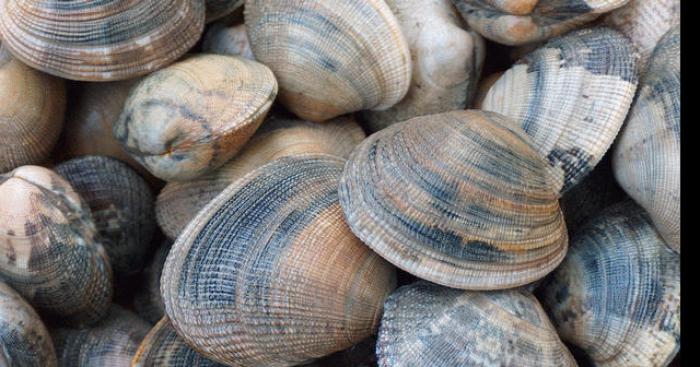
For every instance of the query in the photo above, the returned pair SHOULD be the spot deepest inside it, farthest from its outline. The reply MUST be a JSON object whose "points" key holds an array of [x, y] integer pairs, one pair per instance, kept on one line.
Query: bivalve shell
{"points": [[223, 40]]}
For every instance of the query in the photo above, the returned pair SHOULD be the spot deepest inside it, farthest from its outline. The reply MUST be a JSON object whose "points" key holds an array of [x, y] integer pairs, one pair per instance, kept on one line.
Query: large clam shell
{"points": [[331, 58], [217, 9], [425, 324], [148, 301], [571, 97], [224, 40], [49, 251], [193, 116], [100, 40], [179, 202], [617, 294], [646, 158], [269, 274], [460, 198], [24, 340]]}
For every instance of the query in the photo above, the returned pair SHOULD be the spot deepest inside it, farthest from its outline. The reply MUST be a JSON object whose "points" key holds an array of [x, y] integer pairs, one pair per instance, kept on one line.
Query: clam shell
{"points": [[217, 9], [24, 340], [193, 116], [446, 61], [223, 40], [103, 40], [571, 97], [428, 325], [483, 88], [646, 158], [179, 202], [269, 274], [48, 248], [520, 22], [30, 128], [331, 60], [617, 293], [148, 302]]}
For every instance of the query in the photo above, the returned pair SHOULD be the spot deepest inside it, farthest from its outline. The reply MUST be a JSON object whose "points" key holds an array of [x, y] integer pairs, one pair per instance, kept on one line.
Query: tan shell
{"points": [[224, 40], [100, 40], [193, 116], [217, 9], [179, 202], [49, 251], [483, 88], [331, 59], [31, 115]]}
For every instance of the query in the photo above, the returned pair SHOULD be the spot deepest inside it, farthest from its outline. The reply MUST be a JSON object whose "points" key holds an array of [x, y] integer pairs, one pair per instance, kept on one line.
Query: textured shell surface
{"points": [[617, 293], [331, 58], [446, 60], [483, 88], [425, 324], [193, 116], [122, 207], [647, 155], [513, 22], [31, 128], [217, 9], [148, 301], [269, 274], [224, 40], [111, 343], [49, 250], [277, 137], [100, 40], [571, 96], [460, 198], [24, 340]]}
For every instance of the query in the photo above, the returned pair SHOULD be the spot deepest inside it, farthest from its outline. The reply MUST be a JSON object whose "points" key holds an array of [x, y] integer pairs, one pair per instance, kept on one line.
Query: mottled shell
{"points": [[24, 340], [163, 348], [506, 22], [571, 97], [217, 9], [269, 274], [179, 202], [100, 40], [49, 251], [122, 207], [425, 324], [31, 115], [461, 199], [647, 156], [110, 343], [148, 301], [617, 294], [193, 116], [446, 61], [331, 59], [224, 40]]}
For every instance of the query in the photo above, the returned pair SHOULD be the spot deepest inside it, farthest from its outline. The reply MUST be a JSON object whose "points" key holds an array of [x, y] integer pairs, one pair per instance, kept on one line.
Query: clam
{"points": [[122, 208], [446, 60], [513, 22], [30, 128], [460, 199], [111, 342], [646, 158], [617, 294], [24, 340], [49, 251], [571, 97], [217, 9], [269, 274], [179, 202], [224, 40], [428, 325], [193, 116], [483, 88], [148, 302], [331, 59], [100, 41]]}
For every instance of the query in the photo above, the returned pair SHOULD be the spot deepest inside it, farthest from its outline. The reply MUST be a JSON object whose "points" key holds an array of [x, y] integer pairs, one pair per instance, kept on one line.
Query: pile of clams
{"points": [[336, 183]]}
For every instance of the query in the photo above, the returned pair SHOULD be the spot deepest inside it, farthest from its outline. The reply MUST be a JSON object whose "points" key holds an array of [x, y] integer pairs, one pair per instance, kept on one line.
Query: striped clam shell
{"points": [[446, 60], [519, 22], [191, 117], [223, 40], [571, 97], [179, 202], [425, 324], [617, 294], [100, 40], [269, 274], [24, 340], [331, 58], [30, 128], [148, 301], [217, 9], [122, 208], [49, 251], [646, 158]]}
